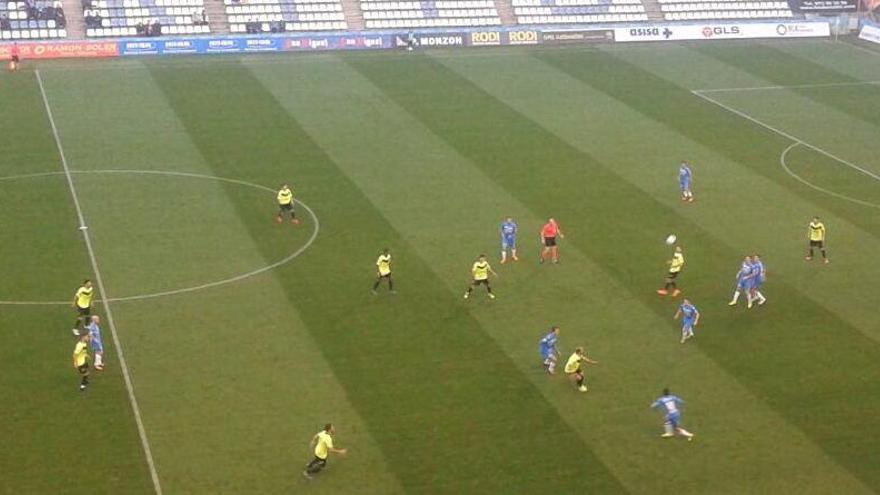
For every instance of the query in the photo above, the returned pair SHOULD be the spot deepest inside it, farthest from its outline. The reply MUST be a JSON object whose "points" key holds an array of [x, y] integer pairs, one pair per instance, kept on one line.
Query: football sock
{"points": [[376, 285], [824, 256], [99, 360], [580, 381], [551, 366], [390, 284], [667, 428], [735, 296]]}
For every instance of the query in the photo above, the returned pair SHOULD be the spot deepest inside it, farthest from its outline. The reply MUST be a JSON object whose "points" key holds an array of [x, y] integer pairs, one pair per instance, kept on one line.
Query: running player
{"points": [[383, 271], [573, 368], [480, 272], [549, 352], [322, 445], [95, 341], [685, 175], [82, 302], [549, 232], [285, 205], [760, 275], [81, 360], [675, 266], [744, 279], [816, 234], [690, 318], [508, 239], [669, 404]]}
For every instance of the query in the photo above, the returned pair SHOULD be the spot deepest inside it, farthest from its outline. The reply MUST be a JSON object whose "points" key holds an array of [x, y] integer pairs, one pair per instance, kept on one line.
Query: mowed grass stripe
{"points": [[22, 125], [771, 365], [635, 350], [785, 69], [409, 367]]}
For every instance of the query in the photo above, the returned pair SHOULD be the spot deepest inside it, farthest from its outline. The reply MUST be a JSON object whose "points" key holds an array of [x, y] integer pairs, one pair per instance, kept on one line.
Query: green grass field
{"points": [[425, 153]]}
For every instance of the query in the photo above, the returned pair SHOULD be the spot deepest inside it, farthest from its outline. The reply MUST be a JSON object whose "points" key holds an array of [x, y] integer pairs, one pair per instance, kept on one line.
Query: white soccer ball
{"points": [[671, 239]]}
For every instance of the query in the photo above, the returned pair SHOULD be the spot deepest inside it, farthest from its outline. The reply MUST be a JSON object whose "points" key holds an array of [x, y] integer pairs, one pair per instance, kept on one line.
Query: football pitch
{"points": [[241, 337]]}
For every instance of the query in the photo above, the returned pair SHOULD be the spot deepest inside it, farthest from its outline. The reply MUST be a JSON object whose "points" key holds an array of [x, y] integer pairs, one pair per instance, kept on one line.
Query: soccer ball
{"points": [[671, 239]]}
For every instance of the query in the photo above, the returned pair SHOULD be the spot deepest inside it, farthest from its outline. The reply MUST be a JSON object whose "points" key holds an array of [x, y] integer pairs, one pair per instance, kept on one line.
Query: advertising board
{"points": [[570, 36], [870, 32], [828, 6], [722, 31], [62, 49]]}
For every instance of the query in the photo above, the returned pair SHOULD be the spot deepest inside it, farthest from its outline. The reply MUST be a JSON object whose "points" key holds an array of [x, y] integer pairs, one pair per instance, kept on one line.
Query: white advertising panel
{"points": [[870, 32], [722, 31]]}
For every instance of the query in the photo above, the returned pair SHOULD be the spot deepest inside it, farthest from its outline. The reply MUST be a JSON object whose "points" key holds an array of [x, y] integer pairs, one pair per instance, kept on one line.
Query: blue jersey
{"points": [[669, 404], [95, 333], [744, 275], [684, 175], [758, 270], [508, 234], [688, 311], [548, 344]]}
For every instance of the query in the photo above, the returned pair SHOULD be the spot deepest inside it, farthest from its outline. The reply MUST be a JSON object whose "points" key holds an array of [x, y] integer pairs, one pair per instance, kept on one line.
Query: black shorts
{"points": [[287, 207], [818, 244], [672, 275], [84, 369], [15, 58], [485, 282], [318, 463], [387, 275], [549, 241], [84, 311]]}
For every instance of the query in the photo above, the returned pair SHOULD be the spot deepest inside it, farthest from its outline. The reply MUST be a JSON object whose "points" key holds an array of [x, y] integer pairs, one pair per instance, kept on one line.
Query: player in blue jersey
{"points": [[669, 404], [690, 318], [549, 353], [685, 175], [96, 343], [744, 280], [508, 239], [760, 275]]}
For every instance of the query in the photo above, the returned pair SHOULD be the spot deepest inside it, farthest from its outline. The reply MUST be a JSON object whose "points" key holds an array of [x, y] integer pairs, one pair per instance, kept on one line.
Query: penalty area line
{"points": [[145, 444]]}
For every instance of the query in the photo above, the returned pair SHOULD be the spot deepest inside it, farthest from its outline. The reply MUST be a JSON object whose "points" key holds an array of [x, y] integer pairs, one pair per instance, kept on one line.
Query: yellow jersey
{"points": [[817, 231], [80, 354], [481, 270], [84, 296], [573, 363], [323, 445], [677, 263], [384, 264], [285, 196]]}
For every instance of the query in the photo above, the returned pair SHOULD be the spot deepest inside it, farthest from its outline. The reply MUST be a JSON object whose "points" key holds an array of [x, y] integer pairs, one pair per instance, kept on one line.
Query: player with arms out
{"points": [[95, 341], [690, 318], [816, 234], [549, 232], [81, 360], [675, 266], [573, 368], [383, 271], [480, 272], [508, 239], [760, 275], [744, 280], [669, 404], [549, 352], [685, 176], [322, 446], [285, 205], [82, 302]]}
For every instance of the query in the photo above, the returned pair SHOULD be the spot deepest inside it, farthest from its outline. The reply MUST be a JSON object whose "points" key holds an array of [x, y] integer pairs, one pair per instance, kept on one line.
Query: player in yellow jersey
{"points": [[383, 271], [82, 302], [816, 233], [480, 272], [81, 360], [285, 205], [573, 367], [322, 444], [675, 266]]}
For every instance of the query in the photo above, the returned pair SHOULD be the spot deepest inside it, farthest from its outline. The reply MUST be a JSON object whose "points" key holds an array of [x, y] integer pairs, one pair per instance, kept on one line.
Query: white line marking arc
{"points": [[818, 188], [184, 290], [142, 432]]}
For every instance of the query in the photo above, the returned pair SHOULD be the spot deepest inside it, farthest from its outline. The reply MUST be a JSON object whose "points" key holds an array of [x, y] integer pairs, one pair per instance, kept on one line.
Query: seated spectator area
{"points": [[40, 19], [380, 14], [278, 16], [144, 17], [680, 10], [578, 11]]}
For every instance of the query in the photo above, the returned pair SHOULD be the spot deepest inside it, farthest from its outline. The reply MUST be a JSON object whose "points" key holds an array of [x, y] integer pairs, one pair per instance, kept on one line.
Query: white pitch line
{"points": [[82, 223], [818, 188], [786, 135], [794, 86]]}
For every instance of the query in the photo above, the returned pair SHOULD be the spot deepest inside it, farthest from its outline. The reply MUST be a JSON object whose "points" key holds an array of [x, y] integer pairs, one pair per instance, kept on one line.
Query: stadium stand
{"points": [[382, 14], [278, 16], [30, 20], [685, 10], [144, 17], [578, 11]]}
